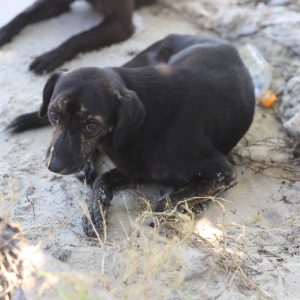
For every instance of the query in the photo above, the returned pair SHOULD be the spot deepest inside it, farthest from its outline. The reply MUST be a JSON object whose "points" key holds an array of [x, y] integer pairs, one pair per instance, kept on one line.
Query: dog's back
{"points": [[209, 88], [222, 87], [199, 102]]}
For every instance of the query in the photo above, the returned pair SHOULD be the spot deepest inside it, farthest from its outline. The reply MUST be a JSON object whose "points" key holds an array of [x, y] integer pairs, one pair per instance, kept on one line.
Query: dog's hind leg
{"points": [[116, 27], [201, 189], [149, 56], [40, 10], [97, 206], [197, 193]]}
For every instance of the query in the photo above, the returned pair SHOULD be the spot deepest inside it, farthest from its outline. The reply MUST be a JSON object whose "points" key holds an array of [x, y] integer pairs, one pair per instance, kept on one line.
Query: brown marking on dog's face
{"points": [[79, 123], [88, 107], [99, 119], [60, 103], [75, 137]]}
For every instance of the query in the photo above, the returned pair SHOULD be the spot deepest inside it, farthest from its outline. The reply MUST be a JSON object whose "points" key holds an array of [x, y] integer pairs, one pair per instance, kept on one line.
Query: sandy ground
{"points": [[261, 225]]}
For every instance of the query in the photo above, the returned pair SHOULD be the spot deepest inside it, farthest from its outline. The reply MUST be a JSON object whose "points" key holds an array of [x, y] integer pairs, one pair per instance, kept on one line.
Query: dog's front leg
{"points": [[94, 218], [40, 10], [102, 193], [116, 27]]}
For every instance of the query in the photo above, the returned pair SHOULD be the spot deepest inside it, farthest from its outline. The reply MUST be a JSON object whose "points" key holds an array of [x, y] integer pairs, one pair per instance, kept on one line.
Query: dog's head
{"points": [[86, 107]]}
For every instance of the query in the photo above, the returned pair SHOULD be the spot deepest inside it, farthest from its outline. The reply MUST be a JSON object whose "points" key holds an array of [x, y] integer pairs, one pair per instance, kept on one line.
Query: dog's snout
{"points": [[54, 165], [63, 156]]}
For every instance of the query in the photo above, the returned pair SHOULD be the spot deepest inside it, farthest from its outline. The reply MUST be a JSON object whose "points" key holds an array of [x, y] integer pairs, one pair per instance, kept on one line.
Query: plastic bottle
{"points": [[260, 70]]}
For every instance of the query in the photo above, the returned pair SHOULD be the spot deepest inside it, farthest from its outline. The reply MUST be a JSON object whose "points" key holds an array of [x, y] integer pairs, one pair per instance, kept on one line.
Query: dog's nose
{"points": [[55, 165]]}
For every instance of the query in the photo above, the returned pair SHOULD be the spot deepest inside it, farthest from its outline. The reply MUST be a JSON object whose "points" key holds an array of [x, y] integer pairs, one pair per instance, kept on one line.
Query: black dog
{"points": [[171, 115], [116, 27]]}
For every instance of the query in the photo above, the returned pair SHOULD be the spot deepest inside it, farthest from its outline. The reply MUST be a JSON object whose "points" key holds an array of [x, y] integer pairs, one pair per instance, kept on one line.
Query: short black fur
{"points": [[171, 115]]}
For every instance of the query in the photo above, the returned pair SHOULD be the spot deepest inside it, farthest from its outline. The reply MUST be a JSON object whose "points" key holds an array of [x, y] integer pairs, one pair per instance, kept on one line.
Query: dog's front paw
{"points": [[93, 222], [94, 219], [88, 173], [91, 228], [6, 35], [47, 62]]}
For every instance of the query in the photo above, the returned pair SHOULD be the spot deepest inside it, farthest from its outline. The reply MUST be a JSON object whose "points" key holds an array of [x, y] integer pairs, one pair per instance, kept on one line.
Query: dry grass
{"points": [[11, 265], [232, 255], [11, 241], [229, 255], [149, 263], [288, 168]]}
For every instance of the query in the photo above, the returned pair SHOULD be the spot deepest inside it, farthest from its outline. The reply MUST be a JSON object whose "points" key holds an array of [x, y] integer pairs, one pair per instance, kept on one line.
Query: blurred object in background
{"points": [[259, 68]]}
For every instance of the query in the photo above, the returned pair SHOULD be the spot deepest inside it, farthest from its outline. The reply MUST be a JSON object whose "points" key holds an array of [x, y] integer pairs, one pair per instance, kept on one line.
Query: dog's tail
{"points": [[26, 122]]}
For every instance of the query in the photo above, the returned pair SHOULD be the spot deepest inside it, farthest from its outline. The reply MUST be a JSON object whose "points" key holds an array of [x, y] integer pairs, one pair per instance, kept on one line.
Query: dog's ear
{"points": [[130, 115], [47, 93]]}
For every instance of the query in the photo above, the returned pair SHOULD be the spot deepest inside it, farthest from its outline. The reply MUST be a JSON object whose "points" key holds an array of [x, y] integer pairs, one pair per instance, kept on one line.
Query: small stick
{"points": [[31, 203]]}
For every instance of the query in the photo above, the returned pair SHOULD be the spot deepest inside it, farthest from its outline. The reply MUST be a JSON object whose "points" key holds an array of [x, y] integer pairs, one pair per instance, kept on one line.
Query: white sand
{"points": [[268, 208]]}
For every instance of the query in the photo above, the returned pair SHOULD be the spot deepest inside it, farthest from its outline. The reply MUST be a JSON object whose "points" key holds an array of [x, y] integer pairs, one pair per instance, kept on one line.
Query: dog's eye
{"points": [[53, 117], [91, 126]]}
